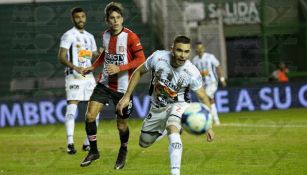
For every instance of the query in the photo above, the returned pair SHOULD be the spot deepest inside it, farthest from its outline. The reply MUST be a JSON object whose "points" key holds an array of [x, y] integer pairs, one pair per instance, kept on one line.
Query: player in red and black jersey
{"points": [[122, 53]]}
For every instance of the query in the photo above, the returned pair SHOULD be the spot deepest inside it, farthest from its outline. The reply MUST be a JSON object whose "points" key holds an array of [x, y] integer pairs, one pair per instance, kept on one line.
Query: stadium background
{"points": [[250, 41], [259, 134]]}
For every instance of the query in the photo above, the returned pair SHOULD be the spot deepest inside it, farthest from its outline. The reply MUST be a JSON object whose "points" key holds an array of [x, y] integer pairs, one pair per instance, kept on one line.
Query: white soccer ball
{"points": [[196, 118]]}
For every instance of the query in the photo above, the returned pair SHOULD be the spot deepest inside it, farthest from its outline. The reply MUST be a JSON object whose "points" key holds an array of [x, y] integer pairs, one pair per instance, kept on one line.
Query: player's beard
{"points": [[176, 63], [79, 25]]}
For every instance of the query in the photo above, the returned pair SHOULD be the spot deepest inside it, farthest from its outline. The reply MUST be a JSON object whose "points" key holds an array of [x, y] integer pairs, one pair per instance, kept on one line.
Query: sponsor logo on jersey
{"points": [[83, 55], [117, 59], [204, 73], [74, 86], [169, 85]]}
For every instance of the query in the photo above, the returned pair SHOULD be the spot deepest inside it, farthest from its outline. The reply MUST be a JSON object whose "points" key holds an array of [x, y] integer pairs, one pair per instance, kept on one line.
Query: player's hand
{"points": [[100, 50], [210, 135], [224, 84], [88, 70], [79, 70], [112, 69], [123, 102]]}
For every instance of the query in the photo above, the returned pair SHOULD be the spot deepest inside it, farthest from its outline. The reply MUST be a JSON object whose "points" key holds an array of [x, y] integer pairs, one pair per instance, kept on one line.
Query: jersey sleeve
{"points": [[193, 60], [94, 46], [196, 82], [149, 63], [66, 41], [134, 43], [136, 51], [215, 61]]}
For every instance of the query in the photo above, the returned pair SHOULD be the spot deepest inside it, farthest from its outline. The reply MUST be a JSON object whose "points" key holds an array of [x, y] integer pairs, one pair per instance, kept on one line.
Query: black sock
{"points": [[91, 131], [124, 137]]}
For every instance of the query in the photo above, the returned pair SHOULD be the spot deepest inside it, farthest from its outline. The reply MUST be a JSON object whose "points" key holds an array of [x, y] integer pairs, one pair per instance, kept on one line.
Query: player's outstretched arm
{"points": [[135, 78], [97, 53], [99, 60], [220, 73], [202, 96]]}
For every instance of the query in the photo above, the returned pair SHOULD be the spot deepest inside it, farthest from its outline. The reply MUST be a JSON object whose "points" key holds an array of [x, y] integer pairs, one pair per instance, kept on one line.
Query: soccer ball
{"points": [[196, 118]]}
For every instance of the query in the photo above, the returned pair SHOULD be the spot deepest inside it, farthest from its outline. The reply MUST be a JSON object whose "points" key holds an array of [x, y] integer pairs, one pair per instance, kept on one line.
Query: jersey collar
{"points": [[78, 30]]}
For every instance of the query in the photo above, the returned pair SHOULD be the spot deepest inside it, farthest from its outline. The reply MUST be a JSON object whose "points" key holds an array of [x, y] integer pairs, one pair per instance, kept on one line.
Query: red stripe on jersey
{"points": [[112, 79], [99, 77]]}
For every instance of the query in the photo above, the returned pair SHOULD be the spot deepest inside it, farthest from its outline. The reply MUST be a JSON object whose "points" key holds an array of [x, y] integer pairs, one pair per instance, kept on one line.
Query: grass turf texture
{"points": [[272, 142]]}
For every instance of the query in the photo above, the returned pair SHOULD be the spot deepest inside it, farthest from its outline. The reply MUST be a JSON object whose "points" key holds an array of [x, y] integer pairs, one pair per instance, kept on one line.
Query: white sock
{"points": [[71, 110], [214, 114], [86, 142], [175, 152]]}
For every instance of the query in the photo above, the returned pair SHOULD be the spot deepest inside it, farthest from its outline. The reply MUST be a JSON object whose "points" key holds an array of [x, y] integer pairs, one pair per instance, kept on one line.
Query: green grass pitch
{"points": [[272, 142]]}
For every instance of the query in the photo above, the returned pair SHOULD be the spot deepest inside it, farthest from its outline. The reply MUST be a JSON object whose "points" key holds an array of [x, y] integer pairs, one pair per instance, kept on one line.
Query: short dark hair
{"points": [[113, 6], [199, 42], [76, 10], [182, 39]]}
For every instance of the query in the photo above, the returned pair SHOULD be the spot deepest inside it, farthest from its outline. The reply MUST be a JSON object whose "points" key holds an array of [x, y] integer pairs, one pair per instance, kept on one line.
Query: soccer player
{"points": [[77, 48], [123, 53], [210, 69], [173, 76]]}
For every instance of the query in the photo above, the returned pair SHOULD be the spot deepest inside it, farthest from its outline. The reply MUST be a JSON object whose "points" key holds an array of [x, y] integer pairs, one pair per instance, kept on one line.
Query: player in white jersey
{"points": [[77, 48], [173, 76], [210, 70]]}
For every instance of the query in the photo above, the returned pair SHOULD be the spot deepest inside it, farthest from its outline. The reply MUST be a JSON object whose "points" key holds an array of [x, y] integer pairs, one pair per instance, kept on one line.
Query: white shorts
{"points": [[211, 89], [159, 118], [79, 89]]}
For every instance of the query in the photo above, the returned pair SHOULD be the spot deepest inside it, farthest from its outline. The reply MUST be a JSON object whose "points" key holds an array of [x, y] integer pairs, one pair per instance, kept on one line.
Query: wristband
{"points": [[222, 79]]}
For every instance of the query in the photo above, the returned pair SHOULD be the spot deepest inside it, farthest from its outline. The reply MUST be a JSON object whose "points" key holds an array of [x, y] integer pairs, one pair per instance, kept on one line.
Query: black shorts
{"points": [[102, 94]]}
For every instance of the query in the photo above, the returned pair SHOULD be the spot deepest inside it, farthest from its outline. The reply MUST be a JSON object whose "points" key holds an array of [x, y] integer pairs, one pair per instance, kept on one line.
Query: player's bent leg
{"points": [[148, 138], [93, 109], [70, 125]]}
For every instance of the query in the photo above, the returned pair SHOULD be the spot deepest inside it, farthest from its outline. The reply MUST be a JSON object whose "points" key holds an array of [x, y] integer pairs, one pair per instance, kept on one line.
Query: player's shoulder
{"points": [[209, 55], [160, 57], [88, 34], [162, 54], [130, 33], [69, 32], [105, 32], [191, 68], [195, 59], [68, 35]]}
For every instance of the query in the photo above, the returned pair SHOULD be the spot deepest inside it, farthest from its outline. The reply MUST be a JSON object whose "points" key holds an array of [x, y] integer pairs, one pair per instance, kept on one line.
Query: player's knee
{"points": [[122, 124], [147, 140], [90, 117], [173, 125], [143, 144]]}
